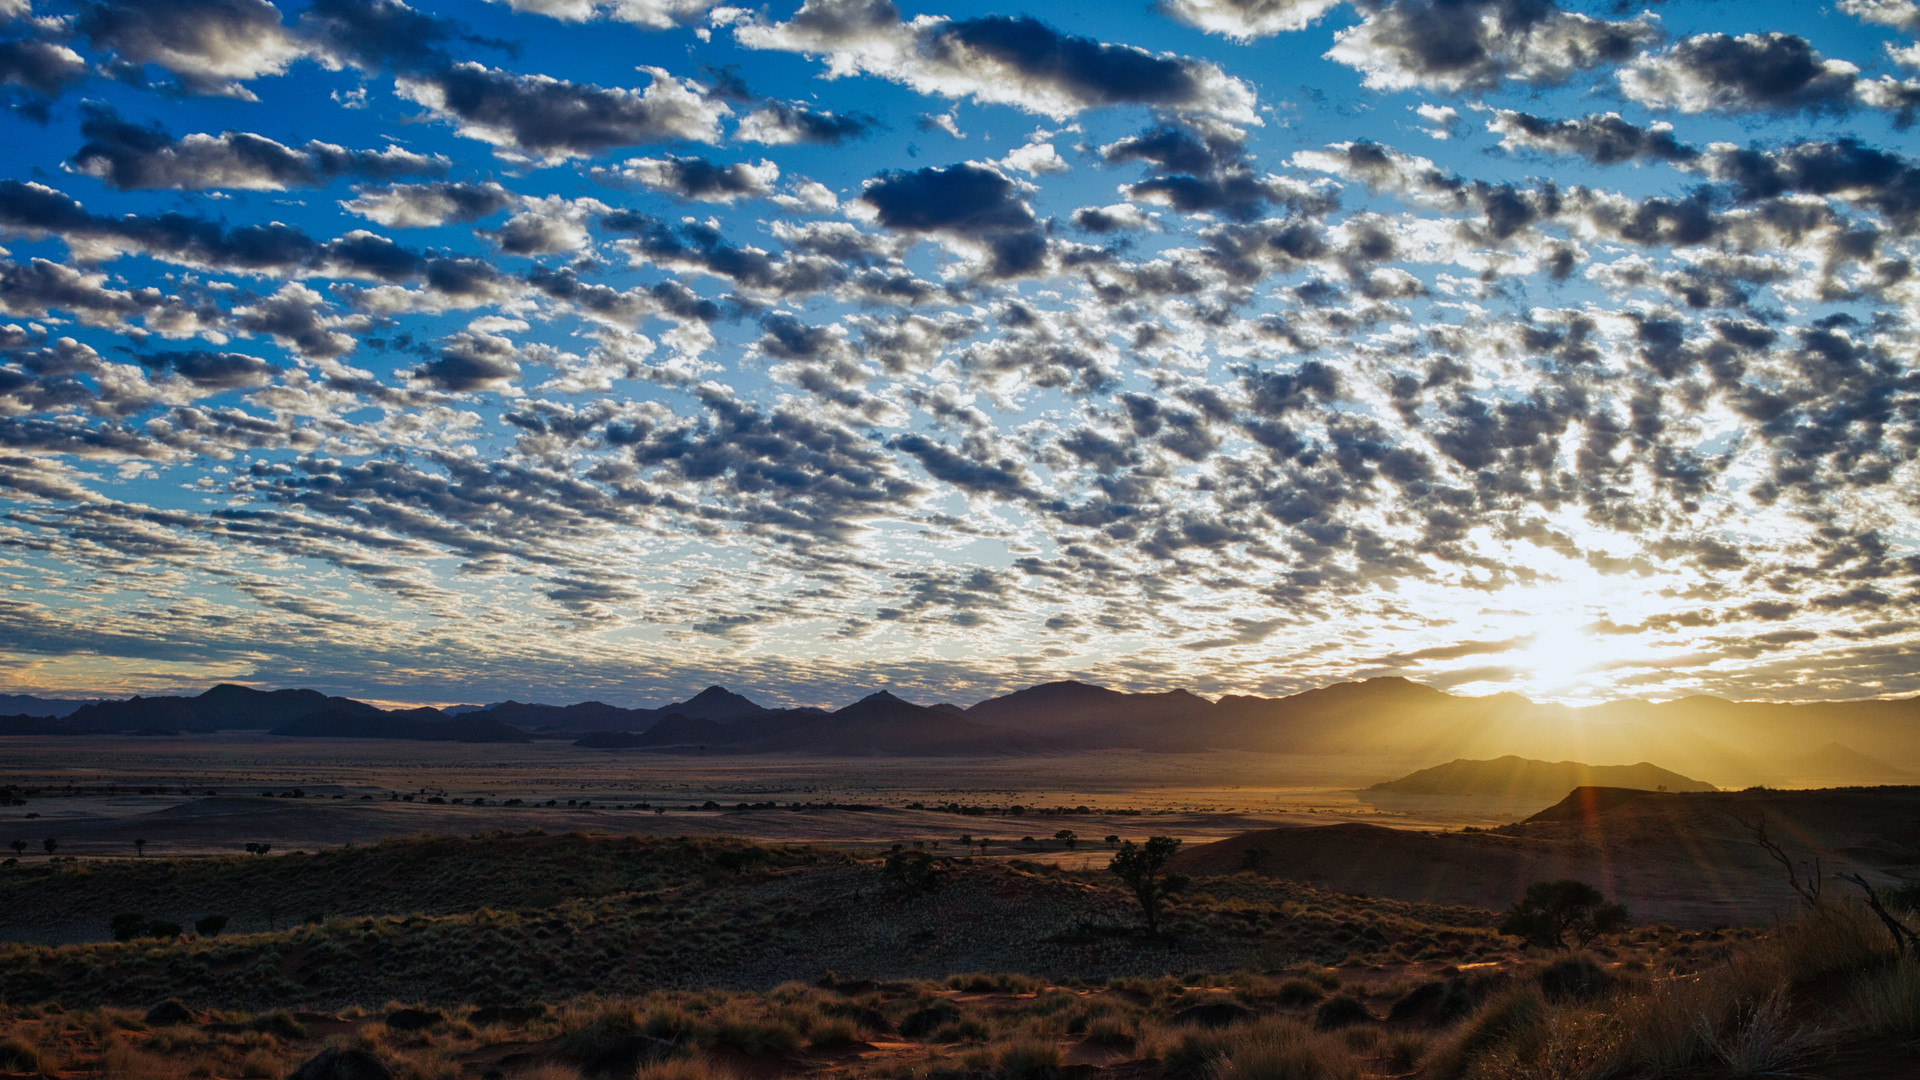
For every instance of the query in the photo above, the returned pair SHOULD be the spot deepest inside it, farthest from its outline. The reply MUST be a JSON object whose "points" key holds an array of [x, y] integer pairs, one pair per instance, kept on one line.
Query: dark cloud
{"points": [[544, 117], [212, 370], [1774, 72], [1462, 45], [36, 209], [471, 362], [967, 202], [1012, 60], [209, 46], [131, 156], [382, 34], [37, 72], [1878, 180], [1602, 138], [779, 122], [696, 178]]}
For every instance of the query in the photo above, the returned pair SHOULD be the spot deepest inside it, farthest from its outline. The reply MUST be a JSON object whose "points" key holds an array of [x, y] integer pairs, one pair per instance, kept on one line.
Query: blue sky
{"points": [[558, 349]]}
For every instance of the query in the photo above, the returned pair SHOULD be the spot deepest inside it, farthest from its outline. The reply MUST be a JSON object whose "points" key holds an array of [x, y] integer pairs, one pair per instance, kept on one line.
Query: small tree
{"points": [[1113, 841], [1143, 868], [128, 925], [210, 926], [140, 847], [1067, 837], [914, 871], [19, 847], [1551, 910], [51, 845]]}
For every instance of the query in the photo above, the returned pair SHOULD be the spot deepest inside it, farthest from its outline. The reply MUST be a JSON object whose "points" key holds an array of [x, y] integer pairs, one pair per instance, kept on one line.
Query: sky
{"points": [[605, 349]]}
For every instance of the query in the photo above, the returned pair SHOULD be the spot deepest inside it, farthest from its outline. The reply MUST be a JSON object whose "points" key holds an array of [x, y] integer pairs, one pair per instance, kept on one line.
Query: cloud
{"points": [[1878, 180], [1244, 20], [696, 179], [1602, 138], [1899, 14], [652, 14], [376, 35], [547, 225], [1004, 60], [419, 206], [470, 362], [209, 46], [549, 119], [212, 370], [132, 156], [968, 203], [1773, 72], [42, 70], [780, 123], [1460, 45]]}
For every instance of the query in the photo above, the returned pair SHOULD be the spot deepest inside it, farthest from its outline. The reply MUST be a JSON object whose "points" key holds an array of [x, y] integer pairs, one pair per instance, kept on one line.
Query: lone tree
{"points": [[1067, 837], [51, 845], [139, 847], [19, 847], [1551, 910], [210, 926], [1143, 868], [914, 871]]}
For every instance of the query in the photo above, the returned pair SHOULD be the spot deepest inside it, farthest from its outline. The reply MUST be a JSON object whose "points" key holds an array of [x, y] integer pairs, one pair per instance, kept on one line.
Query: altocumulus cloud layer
{"points": [[565, 349]]}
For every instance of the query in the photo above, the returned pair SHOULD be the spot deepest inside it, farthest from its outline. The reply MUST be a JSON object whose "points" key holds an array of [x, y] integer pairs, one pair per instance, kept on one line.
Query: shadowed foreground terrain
{"points": [[1688, 859], [560, 957]]}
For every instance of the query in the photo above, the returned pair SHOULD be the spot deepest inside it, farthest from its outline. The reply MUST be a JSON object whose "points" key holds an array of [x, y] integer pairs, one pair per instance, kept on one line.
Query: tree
{"points": [[1550, 910], [259, 849], [1113, 841], [1143, 868], [140, 847], [51, 845], [19, 847], [210, 926], [914, 871], [1067, 837]]}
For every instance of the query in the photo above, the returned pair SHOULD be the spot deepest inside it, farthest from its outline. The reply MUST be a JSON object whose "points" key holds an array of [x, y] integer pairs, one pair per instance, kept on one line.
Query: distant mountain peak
{"points": [[715, 692], [884, 697]]}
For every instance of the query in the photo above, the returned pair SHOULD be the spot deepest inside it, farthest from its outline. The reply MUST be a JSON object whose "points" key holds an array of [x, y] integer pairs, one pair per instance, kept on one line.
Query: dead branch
{"points": [[1903, 936], [1806, 880]]}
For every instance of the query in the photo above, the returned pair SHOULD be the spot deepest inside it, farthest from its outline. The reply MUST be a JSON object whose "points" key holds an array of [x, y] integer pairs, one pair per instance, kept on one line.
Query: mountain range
{"points": [[1725, 741]]}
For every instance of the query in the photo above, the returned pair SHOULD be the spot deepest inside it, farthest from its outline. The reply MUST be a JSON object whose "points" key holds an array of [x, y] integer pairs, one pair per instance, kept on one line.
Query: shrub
{"points": [[1888, 1000], [210, 926], [1339, 1011], [280, 1022], [1299, 992], [1281, 1050], [1574, 978], [1028, 1059], [18, 1056]]}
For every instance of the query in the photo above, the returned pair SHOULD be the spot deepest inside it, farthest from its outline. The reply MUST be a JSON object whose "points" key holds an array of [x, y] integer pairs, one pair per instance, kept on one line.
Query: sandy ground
{"points": [[1193, 796]]}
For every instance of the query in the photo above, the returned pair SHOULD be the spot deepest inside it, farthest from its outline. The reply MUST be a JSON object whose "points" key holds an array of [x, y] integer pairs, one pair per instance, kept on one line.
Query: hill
{"points": [[1686, 859], [29, 705], [224, 707], [882, 723], [1527, 778], [429, 725]]}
